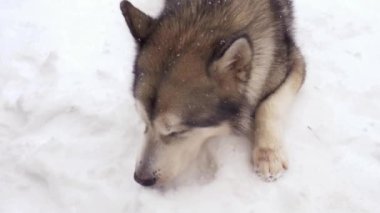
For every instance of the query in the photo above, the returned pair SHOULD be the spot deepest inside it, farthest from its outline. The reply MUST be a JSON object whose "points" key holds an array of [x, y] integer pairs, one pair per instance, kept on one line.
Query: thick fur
{"points": [[208, 68]]}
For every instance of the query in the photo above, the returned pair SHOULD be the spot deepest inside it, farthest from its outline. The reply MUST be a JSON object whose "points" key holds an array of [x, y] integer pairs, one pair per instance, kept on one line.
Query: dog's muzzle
{"points": [[145, 180]]}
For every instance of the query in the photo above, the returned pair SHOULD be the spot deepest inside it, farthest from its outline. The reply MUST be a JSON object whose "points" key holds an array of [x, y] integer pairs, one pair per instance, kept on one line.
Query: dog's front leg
{"points": [[268, 156]]}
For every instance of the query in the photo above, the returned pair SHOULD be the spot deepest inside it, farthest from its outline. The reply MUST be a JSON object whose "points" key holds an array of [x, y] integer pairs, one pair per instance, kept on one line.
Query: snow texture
{"points": [[69, 132]]}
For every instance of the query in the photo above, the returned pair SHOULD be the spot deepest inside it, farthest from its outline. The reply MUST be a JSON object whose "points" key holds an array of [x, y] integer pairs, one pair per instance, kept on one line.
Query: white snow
{"points": [[69, 133]]}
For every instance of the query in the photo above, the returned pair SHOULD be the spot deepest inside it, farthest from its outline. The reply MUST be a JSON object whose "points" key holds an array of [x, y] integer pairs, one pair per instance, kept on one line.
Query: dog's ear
{"points": [[231, 62], [139, 23]]}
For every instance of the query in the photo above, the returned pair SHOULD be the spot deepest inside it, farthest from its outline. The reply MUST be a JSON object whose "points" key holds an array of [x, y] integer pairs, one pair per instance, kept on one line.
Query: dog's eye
{"points": [[176, 134]]}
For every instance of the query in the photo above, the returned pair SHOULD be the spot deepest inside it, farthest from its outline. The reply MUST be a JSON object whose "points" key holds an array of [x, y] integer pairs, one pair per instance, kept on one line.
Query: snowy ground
{"points": [[69, 133]]}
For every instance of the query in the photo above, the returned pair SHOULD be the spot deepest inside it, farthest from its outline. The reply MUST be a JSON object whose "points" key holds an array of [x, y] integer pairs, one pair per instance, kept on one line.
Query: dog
{"points": [[208, 68]]}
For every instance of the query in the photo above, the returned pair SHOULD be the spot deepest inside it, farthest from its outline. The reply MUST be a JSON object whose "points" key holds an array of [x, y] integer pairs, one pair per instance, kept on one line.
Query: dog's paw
{"points": [[269, 164]]}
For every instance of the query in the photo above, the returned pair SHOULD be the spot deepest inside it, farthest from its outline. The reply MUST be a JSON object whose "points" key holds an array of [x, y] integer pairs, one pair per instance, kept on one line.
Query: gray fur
{"points": [[177, 69]]}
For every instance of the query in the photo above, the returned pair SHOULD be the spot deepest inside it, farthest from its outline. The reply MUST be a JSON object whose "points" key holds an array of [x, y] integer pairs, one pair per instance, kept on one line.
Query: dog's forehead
{"points": [[169, 78]]}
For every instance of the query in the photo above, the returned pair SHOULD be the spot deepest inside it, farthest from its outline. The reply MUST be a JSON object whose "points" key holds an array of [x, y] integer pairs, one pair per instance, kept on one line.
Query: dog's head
{"points": [[188, 88]]}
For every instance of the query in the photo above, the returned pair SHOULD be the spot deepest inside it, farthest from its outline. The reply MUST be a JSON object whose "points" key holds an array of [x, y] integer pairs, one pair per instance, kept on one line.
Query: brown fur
{"points": [[187, 64]]}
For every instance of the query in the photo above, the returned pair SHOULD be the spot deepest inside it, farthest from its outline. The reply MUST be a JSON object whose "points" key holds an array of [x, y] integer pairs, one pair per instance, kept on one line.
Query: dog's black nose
{"points": [[145, 181]]}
